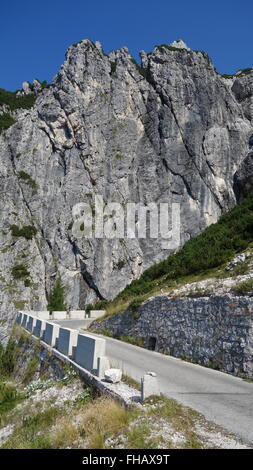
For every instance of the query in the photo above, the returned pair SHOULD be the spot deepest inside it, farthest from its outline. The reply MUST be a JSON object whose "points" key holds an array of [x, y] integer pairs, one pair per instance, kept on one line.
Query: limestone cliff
{"points": [[169, 130]]}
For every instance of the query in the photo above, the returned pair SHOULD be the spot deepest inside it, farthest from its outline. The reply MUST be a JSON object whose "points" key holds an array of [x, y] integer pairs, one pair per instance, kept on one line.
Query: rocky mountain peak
{"points": [[168, 130], [180, 44]]}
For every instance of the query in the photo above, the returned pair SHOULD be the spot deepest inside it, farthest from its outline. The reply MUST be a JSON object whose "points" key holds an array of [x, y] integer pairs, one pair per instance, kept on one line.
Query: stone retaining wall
{"points": [[214, 331]]}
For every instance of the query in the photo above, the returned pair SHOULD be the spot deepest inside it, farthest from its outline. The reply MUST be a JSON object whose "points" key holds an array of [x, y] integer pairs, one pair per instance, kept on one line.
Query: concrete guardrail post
{"points": [[97, 313], [77, 314], [149, 385], [103, 365], [30, 323], [51, 334], [39, 328], [19, 317], [88, 349], [59, 315], [24, 320], [67, 340]]}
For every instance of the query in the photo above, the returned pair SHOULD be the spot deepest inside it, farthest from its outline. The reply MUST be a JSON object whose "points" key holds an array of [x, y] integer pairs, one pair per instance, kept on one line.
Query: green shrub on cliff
{"points": [[56, 297], [8, 398], [14, 101], [20, 271], [28, 231], [27, 179], [7, 359], [215, 246], [212, 248], [244, 286], [6, 120]]}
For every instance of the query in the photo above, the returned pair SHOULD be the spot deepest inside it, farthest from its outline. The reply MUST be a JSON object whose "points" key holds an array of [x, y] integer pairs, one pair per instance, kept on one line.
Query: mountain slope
{"points": [[170, 130], [220, 259]]}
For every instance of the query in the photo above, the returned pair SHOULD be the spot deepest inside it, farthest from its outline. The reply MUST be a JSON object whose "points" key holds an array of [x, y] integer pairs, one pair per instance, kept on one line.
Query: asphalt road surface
{"points": [[222, 398]]}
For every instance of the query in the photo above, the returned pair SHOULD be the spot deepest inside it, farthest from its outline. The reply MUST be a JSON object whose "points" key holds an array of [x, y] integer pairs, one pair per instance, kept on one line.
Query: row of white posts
{"points": [[64, 315], [86, 350]]}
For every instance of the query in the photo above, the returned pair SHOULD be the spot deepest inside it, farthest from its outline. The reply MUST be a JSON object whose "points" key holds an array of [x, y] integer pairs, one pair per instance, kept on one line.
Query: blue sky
{"points": [[35, 35]]}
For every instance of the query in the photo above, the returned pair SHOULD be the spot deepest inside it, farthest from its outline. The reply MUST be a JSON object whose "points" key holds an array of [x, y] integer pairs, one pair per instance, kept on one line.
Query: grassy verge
{"points": [[9, 397], [101, 423]]}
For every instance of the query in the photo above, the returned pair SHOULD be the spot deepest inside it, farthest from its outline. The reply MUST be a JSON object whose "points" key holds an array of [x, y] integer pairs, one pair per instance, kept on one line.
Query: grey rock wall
{"points": [[172, 130], [214, 331]]}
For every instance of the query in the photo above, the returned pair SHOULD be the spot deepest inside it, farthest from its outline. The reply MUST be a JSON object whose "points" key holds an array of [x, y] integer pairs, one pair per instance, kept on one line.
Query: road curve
{"points": [[220, 397]]}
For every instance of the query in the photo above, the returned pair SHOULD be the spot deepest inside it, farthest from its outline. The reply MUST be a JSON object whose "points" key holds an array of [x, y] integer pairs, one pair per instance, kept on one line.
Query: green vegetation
{"points": [[244, 287], [7, 359], [14, 101], [140, 69], [20, 271], [31, 367], [135, 304], [226, 75], [101, 305], [120, 264], [244, 72], [27, 179], [179, 416], [44, 83], [8, 398], [28, 231], [209, 250], [216, 245], [132, 340], [237, 270], [240, 73], [20, 304], [106, 332], [131, 382], [84, 397], [76, 44], [30, 434], [6, 120], [160, 47], [113, 67], [56, 297], [118, 156]]}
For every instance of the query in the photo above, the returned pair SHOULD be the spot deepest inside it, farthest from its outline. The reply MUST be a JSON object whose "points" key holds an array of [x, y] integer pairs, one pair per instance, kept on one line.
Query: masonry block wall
{"points": [[215, 331]]}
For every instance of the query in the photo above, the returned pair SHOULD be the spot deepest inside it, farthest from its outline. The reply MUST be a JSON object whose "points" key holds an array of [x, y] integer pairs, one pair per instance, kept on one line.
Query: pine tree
{"points": [[56, 297]]}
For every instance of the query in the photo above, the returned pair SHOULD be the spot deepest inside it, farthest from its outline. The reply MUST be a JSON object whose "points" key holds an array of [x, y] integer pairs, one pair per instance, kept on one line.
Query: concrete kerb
{"points": [[67, 341], [77, 314], [97, 313], [43, 315], [59, 315]]}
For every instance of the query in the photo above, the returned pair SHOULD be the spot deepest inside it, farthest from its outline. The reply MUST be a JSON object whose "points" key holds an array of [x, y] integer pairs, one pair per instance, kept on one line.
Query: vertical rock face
{"points": [[170, 130]]}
